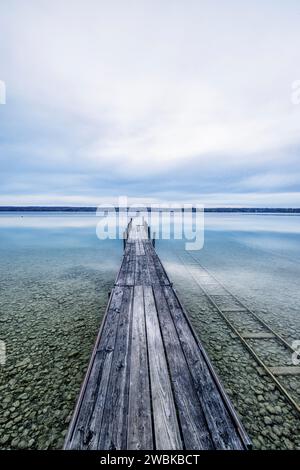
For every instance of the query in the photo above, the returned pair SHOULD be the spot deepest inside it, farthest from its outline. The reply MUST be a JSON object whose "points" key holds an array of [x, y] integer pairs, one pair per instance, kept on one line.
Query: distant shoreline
{"points": [[92, 209]]}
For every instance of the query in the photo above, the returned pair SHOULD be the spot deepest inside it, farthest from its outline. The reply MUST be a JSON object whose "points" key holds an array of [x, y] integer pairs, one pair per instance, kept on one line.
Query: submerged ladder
{"points": [[234, 311]]}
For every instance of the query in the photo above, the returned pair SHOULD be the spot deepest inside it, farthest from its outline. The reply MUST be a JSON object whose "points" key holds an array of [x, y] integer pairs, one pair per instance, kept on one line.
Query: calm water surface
{"points": [[55, 276]]}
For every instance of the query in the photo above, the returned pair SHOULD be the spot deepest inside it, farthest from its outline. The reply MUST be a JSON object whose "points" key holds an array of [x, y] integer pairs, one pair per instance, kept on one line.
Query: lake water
{"points": [[55, 276]]}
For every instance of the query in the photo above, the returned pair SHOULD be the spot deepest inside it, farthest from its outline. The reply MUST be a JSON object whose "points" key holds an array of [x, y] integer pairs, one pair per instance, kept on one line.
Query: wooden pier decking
{"points": [[150, 384]]}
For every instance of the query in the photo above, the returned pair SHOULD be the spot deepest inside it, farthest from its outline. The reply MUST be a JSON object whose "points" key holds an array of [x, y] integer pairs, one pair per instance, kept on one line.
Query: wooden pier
{"points": [[150, 384]]}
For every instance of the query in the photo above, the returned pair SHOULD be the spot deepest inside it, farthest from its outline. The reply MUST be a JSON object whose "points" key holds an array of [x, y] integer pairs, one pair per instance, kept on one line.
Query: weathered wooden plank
{"points": [[194, 428], [138, 270], [222, 429], [122, 273], [84, 434], [132, 235], [121, 278], [166, 427], [142, 276], [146, 272], [139, 434], [151, 268], [162, 276], [285, 370], [130, 274], [137, 246], [141, 247], [113, 431], [258, 335]]}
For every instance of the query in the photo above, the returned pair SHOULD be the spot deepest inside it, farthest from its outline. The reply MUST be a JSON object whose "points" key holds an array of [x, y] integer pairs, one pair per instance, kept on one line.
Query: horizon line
{"points": [[146, 207]]}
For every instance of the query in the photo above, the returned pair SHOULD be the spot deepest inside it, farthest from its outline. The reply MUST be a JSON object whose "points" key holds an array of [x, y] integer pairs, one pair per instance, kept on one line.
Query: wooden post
{"points": [[153, 240], [125, 234]]}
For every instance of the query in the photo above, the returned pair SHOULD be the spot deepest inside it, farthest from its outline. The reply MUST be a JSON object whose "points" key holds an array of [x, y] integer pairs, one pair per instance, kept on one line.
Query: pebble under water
{"points": [[55, 276]]}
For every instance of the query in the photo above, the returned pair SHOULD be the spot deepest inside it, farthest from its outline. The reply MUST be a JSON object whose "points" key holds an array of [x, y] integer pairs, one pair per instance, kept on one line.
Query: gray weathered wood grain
{"points": [[222, 429], [139, 435], [166, 428], [113, 431], [196, 434]]}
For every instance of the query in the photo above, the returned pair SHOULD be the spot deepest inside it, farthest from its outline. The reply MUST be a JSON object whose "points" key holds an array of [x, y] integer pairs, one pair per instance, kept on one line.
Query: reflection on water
{"points": [[280, 223], [55, 275]]}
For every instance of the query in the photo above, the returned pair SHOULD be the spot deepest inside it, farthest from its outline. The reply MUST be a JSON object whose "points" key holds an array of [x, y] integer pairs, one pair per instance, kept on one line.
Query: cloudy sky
{"points": [[187, 101]]}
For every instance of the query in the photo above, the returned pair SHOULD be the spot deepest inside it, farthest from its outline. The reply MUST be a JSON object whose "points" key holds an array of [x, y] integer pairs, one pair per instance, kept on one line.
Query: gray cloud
{"points": [[163, 100]]}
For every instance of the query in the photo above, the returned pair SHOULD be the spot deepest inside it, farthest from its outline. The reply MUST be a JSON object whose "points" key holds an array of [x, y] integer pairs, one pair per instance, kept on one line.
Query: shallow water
{"points": [[55, 276], [257, 258]]}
